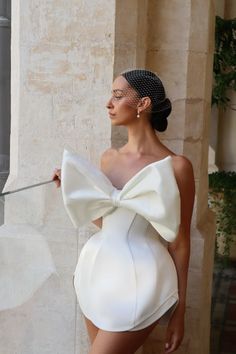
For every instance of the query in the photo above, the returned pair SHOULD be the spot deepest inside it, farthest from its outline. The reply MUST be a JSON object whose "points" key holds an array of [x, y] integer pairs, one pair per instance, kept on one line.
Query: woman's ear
{"points": [[145, 103]]}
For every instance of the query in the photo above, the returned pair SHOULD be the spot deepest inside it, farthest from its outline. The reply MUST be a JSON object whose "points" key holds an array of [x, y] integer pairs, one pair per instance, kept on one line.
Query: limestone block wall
{"points": [[62, 69]]}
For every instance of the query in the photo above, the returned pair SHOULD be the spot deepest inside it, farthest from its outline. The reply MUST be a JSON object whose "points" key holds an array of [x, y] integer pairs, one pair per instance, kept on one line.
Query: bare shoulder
{"points": [[183, 170], [182, 165], [107, 158]]}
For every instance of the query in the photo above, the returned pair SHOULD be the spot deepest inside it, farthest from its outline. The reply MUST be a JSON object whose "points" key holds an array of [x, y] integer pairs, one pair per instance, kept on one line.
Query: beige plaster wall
{"points": [[62, 69]]}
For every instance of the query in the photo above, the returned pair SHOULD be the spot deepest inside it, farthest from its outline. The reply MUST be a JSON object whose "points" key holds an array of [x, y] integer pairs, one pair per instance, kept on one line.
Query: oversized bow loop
{"points": [[153, 193]]}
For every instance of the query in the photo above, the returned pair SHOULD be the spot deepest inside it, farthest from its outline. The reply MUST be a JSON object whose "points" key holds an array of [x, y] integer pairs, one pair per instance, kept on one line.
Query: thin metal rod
{"points": [[31, 186]]}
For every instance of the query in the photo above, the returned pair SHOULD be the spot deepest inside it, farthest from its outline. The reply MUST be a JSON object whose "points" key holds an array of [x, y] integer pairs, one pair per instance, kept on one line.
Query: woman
{"points": [[139, 103]]}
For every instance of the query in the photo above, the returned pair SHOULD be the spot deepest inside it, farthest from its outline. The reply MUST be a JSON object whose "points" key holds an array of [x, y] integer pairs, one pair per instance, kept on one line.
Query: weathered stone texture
{"points": [[64, 58], [62, 69]]}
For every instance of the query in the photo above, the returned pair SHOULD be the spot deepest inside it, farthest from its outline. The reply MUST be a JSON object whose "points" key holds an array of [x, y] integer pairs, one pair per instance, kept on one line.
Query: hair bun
{"points": [[160, 113], [148, 84]]}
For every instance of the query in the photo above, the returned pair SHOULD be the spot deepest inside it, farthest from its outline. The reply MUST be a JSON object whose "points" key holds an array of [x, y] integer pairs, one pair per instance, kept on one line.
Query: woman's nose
{"points": [[109, 103]]}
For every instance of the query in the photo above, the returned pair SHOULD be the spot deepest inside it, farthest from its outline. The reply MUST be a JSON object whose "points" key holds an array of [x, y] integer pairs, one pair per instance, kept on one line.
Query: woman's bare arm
{"points": [[180, 249]]}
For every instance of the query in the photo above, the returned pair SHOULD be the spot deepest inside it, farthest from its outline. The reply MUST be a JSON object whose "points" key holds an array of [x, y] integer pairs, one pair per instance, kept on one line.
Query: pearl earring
{"points": [[138, 115]]}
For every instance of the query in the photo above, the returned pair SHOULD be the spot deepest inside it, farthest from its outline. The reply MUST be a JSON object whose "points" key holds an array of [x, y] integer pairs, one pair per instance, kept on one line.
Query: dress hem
{"points": [[160, 312]]}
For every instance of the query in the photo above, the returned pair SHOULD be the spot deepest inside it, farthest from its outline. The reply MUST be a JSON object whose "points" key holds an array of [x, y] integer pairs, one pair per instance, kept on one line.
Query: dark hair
{"points": [[148, 84]]}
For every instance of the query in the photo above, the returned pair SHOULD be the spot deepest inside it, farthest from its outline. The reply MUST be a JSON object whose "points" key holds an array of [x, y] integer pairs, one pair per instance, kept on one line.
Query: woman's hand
{"points": [[57, 177], [175, 331]]}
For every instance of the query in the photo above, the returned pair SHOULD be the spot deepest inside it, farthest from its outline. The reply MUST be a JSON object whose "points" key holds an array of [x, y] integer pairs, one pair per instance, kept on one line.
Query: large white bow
{"points": [[152, 192]]}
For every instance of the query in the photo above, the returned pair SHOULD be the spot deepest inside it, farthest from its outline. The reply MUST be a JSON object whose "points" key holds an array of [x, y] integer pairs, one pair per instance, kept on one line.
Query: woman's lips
{"points": [[111, 114]]}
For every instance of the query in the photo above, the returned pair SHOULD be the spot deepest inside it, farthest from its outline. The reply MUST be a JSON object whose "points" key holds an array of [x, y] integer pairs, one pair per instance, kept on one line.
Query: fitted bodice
{"points": [[121, 222]]}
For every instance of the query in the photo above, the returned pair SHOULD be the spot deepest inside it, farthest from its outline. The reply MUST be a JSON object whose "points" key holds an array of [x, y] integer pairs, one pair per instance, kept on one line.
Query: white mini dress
{"points": [[125, 278]]}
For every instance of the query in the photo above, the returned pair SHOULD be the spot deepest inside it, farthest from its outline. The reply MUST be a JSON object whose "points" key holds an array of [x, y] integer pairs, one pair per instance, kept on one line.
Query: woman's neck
{"points": [[142, 140]]}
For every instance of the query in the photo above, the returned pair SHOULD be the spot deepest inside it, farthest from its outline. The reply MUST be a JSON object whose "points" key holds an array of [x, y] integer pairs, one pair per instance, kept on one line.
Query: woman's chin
{"points": [[116, 122]]}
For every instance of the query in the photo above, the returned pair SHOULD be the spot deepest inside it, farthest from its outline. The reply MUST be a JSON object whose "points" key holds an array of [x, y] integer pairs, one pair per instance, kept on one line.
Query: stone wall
{"points": [[64, 58], [62, 69]]}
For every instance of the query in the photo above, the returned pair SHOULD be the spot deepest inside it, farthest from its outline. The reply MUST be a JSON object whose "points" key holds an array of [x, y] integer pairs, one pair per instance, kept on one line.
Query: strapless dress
{"points": [[125, 278]]}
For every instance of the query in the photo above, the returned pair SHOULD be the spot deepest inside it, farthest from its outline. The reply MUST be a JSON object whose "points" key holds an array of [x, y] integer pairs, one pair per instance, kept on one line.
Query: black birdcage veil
{"points": [[148, 84]]}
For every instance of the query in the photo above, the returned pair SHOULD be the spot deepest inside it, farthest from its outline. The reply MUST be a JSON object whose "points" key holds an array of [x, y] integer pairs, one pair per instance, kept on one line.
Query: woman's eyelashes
{"points": [[117, 94], [116, 98]]}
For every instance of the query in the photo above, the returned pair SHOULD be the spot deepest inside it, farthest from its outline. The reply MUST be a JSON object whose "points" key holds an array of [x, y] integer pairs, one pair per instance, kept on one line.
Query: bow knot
{"points": [[115, 197], [152, 193]]}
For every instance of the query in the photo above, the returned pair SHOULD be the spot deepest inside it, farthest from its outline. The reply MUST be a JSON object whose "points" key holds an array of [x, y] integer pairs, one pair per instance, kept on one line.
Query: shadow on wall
{"points": [[1, 210], [2, 182]]}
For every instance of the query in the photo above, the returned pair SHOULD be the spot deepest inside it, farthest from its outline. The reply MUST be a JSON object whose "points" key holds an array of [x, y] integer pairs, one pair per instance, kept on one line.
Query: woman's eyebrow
{"points": [[117, 90]]}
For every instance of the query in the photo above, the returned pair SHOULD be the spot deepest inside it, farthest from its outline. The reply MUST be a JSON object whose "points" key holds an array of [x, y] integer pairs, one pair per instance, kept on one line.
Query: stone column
{"points": [[226, 147], [130, 46], [62, 69], [214, 123], [180, 50]]}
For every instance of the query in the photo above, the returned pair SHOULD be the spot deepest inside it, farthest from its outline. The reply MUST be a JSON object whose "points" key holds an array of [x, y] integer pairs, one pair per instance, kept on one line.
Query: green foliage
{"points": [[224, 66], [221, 180], [222, 200]]}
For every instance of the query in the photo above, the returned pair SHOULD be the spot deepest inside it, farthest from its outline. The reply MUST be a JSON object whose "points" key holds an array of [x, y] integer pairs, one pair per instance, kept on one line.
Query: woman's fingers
{"points": [[168, 341], [57, 177], [174, 333], [172, 344]]}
